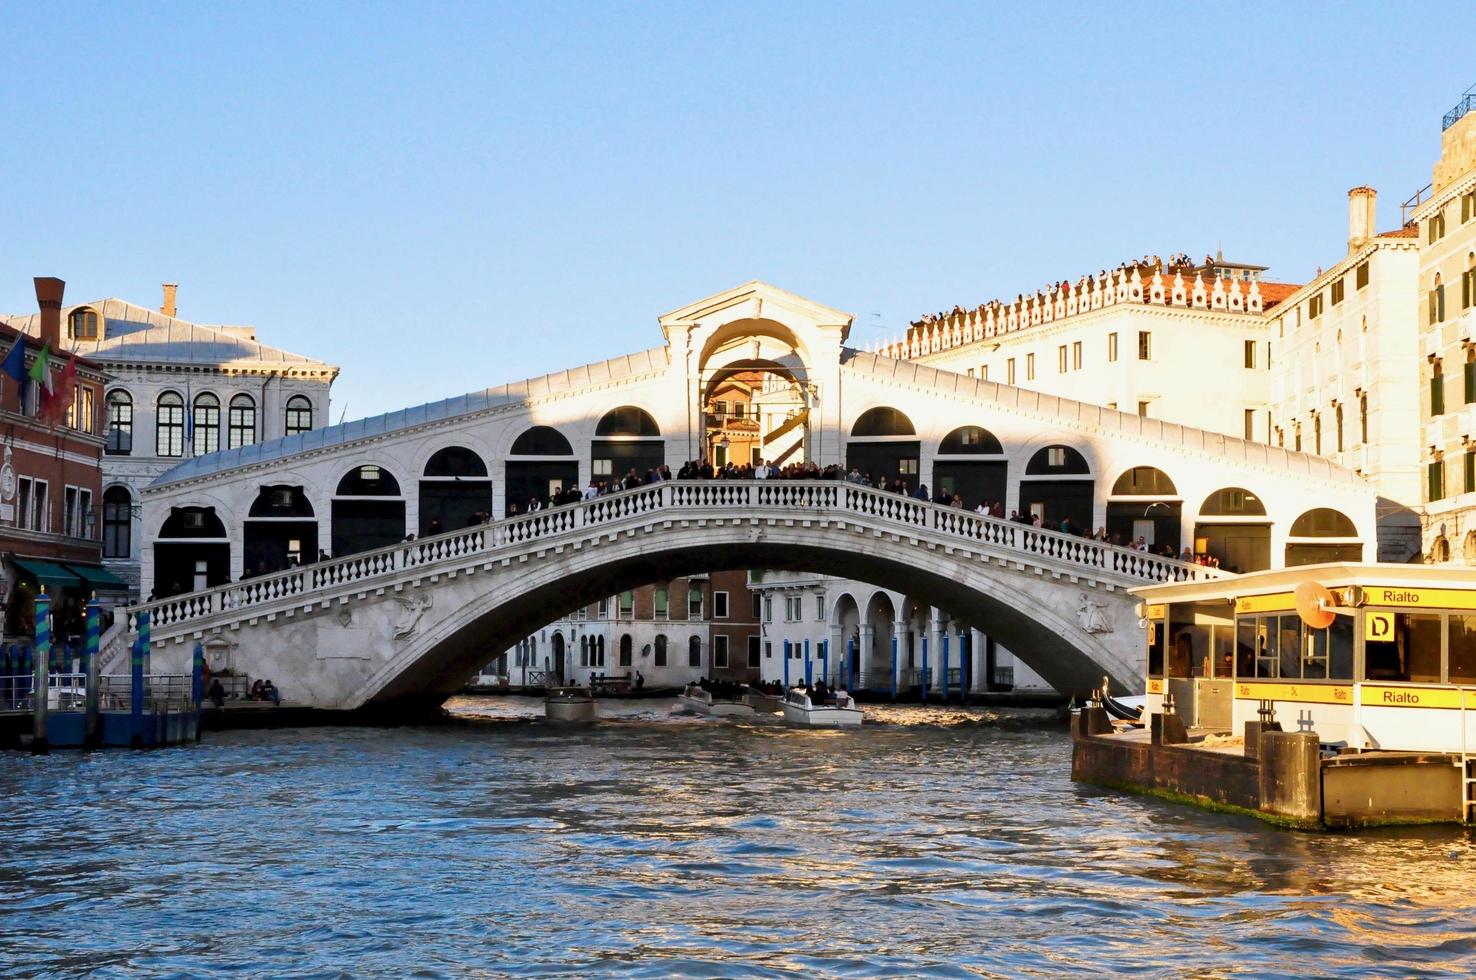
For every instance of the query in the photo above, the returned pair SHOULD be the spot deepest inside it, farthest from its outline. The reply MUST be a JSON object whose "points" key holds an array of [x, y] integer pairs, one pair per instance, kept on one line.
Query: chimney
{"points": [[170, 288], [1360, 216], [49, 297]]}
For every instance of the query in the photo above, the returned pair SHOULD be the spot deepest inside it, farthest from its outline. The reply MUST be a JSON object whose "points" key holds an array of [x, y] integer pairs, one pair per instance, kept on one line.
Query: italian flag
{"points": [[41, 368]]}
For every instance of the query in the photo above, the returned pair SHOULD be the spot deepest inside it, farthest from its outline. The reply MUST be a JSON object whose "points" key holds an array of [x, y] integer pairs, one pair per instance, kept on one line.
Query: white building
{"points": [[178, 390]]}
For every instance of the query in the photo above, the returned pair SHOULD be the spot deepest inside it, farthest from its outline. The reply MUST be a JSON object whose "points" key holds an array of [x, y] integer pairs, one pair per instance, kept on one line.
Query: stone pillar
{"points": [[900, 634], [836, 651], [965, 658], [863, 652], [935, 651], [979, 678]]}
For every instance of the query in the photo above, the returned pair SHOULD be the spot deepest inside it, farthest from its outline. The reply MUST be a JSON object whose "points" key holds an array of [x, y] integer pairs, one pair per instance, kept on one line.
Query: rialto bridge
{"points": [[380, 619]]}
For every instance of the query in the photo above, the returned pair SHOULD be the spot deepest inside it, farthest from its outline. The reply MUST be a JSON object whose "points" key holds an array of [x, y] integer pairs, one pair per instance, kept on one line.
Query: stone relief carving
{"points": [[411, 609], [345, 618], [1092, 615]]}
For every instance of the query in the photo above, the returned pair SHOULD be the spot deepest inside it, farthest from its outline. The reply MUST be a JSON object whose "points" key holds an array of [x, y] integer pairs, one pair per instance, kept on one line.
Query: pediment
{"points": [[757, 300]]}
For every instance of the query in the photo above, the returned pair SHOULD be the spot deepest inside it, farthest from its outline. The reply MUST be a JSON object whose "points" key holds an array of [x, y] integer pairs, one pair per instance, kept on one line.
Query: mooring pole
{"points": [[850, 657], [945, 666], [40, 689], [924, 679], [146, 639], [786, 665], [894, 668], [825, 660], [91, 668], [807, 662], [136, 692]]}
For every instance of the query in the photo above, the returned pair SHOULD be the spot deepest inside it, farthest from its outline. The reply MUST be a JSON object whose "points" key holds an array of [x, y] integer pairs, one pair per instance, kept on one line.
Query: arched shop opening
{"points": [[884, 445], [875, 632], [1145, 504], [1321, 535], [970, 463], [191, 553], [540, 464], [1058, 486], [455, 491], [1234, 529], [280, 531], [627, 440], [368, 511]]}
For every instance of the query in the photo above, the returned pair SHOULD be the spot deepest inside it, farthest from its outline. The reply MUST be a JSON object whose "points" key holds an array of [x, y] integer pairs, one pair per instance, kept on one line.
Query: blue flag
{"points": [[15, 362]]}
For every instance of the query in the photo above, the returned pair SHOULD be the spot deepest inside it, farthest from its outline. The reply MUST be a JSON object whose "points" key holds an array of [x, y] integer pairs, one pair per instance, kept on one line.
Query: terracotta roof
{"points": [[1274, 292], [1408, 231]]}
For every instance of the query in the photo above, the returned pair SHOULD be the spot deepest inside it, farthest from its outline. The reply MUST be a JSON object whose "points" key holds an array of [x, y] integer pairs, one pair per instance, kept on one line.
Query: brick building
{"points": [[51, 483]]}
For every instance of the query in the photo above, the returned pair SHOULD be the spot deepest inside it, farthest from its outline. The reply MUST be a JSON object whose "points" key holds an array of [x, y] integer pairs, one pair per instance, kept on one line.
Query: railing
{"points": [[728, 497], [1414, 201], [162, 692], [1467, 103], [1004, 677]]}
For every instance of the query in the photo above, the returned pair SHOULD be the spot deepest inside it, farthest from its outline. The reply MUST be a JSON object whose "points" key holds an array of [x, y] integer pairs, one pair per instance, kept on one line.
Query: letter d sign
{"points": [[1378, 626]]}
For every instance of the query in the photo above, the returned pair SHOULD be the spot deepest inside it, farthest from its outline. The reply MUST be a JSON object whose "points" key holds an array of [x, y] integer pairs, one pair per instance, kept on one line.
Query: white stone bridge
{"points": [[402, 627]]}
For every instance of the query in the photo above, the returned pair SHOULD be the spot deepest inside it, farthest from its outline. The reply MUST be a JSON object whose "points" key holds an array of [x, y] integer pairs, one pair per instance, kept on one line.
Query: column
{"points": [[935, 648], [899, 654], [837, 652], [864, 642], [979, 675], [965, 657]]}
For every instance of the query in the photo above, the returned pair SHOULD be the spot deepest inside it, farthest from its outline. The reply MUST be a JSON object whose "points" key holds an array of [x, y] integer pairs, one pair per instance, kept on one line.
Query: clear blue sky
{"points": [[443, 198]]}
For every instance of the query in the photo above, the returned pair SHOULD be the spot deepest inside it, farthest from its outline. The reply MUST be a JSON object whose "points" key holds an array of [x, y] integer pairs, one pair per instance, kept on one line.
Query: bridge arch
{"points": [[539, 462], [1233, 528], [1323, 534], [971, 463], [1059, 485], [455, 490], [882, 443], [192, 551], [368, 509], [626, 438], [1145, 503], [280, 530]]}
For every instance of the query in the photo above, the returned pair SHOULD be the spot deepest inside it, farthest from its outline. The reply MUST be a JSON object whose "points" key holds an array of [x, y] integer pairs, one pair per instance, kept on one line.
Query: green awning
{"points": [[99, 579], [53, 576]]}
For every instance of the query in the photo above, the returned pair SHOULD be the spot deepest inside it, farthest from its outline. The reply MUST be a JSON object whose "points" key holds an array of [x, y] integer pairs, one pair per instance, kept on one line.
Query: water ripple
{"points": [[933, 842]]}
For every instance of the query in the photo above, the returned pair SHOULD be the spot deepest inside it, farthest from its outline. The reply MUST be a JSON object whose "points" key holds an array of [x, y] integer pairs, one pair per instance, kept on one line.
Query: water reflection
{"points": [[931, 841]]}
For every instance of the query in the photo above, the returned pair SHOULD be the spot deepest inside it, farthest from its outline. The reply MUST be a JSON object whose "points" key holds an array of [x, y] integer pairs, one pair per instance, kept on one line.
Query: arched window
{"points": [[192, 522], [120, 423], [242, 422], [1437, 301], [694, 652], [1057, 461], [117, 522], [368, 480], [1232, 502], [599, 645], [456, 461], [281, 501], [627, 420], [82, 324], [1323, 522], [207, 424], [970, 439], [298, 416], [879, 422], [660, 660], [584, 651], [542, 440], [169, 425], [625, 646], [1144, 481]]}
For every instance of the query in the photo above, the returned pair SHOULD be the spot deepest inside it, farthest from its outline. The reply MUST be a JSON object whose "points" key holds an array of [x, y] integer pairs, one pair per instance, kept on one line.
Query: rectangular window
{"points": [[908, 466], [1010, 371], [660, 604], [1250, 353], [1437, 304], [1412, 655], [1314, 307], [1029, 367], [1061, 359], [601, 467], [627, 605], [1145, 345], [753, 652], [1435, 477], [1111, 347], [694, 652], [738, 410], [31, 511], [69, 512], [1470, 467], [768, 649], [820, 607], [694, 601], [1056, 456], [1076, 355], [1360, 275], [1337, 291], [983, 372], [1250, 424], [720, 605], [602, 611], [721, 408], [1469, 377], [1143, 409], [758, 606], [720, 651], [970, 372], [1468, 289], [1437, 389], [768, 609], [1460, 638]]}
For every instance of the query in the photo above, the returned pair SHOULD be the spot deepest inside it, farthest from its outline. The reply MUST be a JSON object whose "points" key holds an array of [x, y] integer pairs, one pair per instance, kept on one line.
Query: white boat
{"points": [[800, 710], [570, 704], [694, 698]]}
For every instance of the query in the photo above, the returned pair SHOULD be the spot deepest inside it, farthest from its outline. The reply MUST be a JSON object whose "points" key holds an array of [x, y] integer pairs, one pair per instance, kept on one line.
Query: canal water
{"points": [[930, 842]]}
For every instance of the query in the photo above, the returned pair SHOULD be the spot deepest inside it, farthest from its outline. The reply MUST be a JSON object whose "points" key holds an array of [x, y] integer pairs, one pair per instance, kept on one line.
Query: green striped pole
{"points": [[145, 638]]}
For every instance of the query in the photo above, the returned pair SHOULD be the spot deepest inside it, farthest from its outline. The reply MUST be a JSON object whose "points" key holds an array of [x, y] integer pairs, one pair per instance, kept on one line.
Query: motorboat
{"points": [[695, 698], [837, 712], [762, 703], [570, 704]]}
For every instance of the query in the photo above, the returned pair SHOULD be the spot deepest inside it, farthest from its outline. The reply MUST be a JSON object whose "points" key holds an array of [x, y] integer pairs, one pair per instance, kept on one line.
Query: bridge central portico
{"points": [[230, 537]]}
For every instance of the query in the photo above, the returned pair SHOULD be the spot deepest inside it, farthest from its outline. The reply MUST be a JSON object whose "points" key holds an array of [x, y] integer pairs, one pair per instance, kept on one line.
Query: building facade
{"points": [[51, 483], [178, 390], [1446, 310]]}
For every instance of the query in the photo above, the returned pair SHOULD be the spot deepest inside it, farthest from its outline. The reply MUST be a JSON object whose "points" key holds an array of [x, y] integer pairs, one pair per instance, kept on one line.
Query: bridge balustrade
{"points": [[732, 497]]}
